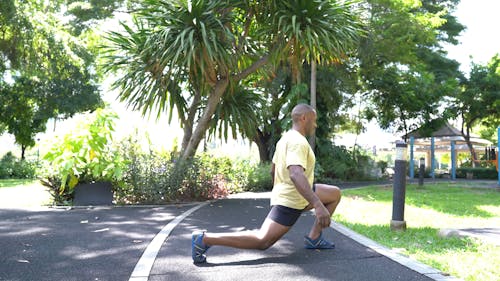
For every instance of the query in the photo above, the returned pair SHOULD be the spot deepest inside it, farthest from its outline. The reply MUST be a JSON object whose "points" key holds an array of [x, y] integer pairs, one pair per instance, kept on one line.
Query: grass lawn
{"points": [[6, 183], [15, 193], [428, 209]]}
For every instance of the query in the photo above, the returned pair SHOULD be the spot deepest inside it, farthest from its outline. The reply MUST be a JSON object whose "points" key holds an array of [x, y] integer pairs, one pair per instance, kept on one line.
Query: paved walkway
{"points": [[287, 260], [153, 243]]}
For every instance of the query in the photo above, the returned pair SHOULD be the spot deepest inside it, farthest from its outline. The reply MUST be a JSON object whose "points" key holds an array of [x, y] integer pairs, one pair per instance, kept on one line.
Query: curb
{"points": [[419, 267]]}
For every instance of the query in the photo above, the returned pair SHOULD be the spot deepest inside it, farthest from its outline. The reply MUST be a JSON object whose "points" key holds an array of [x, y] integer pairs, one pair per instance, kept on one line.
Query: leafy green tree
{"points": [[45, 71], [316, 32], [85, 14], [280, 96], [479, 101], [406, 75]]}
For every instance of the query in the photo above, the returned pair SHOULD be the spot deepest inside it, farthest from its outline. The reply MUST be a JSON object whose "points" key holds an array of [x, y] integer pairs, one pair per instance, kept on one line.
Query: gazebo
{"points": [[447, 138]]}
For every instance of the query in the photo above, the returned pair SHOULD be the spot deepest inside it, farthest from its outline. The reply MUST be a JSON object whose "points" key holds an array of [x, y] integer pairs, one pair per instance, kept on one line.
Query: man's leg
{"points": [[261, 239], [330, 197]]}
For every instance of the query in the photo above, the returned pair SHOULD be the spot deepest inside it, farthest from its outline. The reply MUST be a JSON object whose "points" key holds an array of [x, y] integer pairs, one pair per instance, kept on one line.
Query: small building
{"points": [[445, 139]]}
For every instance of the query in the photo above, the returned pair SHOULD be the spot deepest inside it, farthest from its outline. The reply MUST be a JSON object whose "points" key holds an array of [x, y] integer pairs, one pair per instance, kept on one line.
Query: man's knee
{"points": [[329, 192], [337, 192], [265, 244]]}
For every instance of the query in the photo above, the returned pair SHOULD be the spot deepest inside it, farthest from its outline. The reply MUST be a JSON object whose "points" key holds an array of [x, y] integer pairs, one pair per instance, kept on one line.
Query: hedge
{"points": [[478, 173]]}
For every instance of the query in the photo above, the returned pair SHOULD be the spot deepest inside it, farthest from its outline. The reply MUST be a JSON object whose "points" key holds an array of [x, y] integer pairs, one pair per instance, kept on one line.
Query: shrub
{"points": [[85, 154], [145, 178], [53, 184], [154, 177], [478, 173], [259, 178], [7, 165], [12, 167], [24, 169], [337, 162]]}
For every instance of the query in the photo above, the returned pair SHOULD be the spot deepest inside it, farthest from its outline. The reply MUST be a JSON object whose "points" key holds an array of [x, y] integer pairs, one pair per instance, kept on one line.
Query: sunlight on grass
{"points": [[368, 211], [6, 183], [20, 193]]}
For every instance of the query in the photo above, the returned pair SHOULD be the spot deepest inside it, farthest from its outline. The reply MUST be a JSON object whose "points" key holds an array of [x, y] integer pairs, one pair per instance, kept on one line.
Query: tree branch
{"points": [[252, 68]]}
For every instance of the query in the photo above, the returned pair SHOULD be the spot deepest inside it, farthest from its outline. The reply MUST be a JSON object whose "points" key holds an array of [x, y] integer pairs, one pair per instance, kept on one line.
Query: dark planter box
{"points": [[97, 193]]}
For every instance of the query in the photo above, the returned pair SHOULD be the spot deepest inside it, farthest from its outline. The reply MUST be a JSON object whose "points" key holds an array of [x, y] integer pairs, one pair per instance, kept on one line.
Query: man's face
{"points": [[310, 123]]}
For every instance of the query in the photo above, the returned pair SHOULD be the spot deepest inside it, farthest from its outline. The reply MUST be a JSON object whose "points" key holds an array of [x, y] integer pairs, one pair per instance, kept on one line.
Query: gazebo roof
{"points": [[444, 135], [446, 130]]}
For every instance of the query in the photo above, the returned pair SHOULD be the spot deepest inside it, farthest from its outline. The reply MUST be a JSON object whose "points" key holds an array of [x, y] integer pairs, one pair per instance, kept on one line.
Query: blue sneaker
{"points": [[318, 243], [198, 249]]}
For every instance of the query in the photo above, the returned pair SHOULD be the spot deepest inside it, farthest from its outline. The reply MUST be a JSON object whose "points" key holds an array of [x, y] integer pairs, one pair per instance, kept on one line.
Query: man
{"points": [[293, 193]]}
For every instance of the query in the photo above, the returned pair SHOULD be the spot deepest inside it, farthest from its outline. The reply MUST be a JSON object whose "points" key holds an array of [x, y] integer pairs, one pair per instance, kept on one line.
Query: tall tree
{"points": [[316, 31], [211, 46], [404, 69], [45, 72], [479, 101], [280, 96]]}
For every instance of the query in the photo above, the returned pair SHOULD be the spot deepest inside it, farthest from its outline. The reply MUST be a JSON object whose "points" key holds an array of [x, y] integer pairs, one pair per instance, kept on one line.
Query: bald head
{"points": [[300, 110]]}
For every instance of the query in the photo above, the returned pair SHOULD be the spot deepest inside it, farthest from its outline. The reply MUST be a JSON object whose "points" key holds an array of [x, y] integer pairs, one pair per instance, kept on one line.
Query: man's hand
{"points": [[299, 179], [322, 215]]}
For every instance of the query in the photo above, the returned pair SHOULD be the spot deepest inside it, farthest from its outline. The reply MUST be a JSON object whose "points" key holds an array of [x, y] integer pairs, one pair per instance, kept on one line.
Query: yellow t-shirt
{"points": [[292, 149]]}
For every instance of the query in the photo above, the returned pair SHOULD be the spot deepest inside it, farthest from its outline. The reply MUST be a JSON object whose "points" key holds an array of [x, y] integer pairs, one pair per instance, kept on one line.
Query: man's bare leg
{"points": [[260, 239], [330, 197]]}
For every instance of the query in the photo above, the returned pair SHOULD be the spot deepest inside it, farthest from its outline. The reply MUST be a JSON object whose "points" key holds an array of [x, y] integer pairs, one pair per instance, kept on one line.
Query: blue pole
{"points": [[453, 161], [412, 164], [498, 161], [432, 158]]}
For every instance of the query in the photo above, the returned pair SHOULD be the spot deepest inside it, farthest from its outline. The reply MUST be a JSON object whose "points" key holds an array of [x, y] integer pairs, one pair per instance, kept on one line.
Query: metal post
{"points": [[433, 162], [399, 188], [498, 163], [412, 164], [421, 172], [453, 161]]}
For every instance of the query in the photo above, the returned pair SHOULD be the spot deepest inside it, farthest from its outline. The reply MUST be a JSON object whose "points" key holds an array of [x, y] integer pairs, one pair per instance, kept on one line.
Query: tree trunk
{"points": [[189, 122], [262, 142], [203, 122], [23, 152], [213, 100], [312, 139], [471, 148], [466, 136]]}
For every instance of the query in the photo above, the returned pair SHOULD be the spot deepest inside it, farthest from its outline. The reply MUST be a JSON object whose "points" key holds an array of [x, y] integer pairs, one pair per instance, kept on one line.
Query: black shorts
{"points": [[285, 215]]}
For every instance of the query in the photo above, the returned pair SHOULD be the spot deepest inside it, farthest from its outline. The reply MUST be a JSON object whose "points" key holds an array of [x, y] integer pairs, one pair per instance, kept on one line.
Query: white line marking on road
{"points": [[145, 263]]}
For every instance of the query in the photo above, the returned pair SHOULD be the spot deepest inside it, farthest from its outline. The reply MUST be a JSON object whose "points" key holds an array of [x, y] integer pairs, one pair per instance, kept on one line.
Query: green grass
{"points": [[6, 183], [23, 193], [428, 209]]}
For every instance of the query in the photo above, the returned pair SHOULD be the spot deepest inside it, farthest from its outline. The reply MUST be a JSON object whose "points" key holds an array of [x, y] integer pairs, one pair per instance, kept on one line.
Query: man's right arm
{"points": [[303, 187]]}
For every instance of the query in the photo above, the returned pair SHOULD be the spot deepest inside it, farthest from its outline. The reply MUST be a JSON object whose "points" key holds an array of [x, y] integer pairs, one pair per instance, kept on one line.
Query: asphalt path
{"points": [[102, 243], [138, 243], [287, 260], [154, 243]]}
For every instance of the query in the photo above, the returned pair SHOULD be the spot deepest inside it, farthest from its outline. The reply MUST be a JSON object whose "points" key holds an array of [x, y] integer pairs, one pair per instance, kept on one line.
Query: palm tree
{"points": [[183, 55], [193, 55], [317, 31]]}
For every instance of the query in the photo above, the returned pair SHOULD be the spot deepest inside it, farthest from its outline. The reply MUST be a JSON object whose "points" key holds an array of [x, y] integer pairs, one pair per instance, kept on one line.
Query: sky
{"points": [[481, 41]]}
